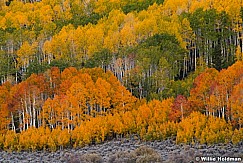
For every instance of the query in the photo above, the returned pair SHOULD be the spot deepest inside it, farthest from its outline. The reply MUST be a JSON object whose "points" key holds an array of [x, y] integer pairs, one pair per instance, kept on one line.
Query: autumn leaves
{"points": [[146, 50], [79, 107], [219, 93]]}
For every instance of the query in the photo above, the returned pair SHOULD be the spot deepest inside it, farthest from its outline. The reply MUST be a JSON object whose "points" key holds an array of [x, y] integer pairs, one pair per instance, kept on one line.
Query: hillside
{"points": [[80, 72]]}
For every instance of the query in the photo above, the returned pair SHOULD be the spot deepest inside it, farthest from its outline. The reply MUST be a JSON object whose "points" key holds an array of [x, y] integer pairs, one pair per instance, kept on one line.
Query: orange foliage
{"points": [[90, 106]]}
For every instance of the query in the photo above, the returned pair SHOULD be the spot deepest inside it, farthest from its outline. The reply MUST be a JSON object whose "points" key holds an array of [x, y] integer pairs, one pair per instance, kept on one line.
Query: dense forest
{"points": [[76, 72]]}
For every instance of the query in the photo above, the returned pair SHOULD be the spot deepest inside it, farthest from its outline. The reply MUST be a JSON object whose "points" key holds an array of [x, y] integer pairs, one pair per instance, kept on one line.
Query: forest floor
{"points": [[108, 151]]}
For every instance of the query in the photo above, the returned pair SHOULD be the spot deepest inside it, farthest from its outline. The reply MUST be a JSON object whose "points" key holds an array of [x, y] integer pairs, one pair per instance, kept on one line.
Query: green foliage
{"points": [[217, 58], [157, 49], [100, 59], [211, 25], [159, 59], [61, 64], [136, 6], [84, 20], [139, 5], [36, 67]]}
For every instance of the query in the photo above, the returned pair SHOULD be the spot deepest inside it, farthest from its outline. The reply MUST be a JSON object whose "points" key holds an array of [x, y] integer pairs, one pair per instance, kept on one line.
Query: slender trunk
{"points": [[27, 112], [68, 117], [23, 120], [13, 126], [223, 112], [20, 122], [34, 113], [182, 112], [62, 121]]}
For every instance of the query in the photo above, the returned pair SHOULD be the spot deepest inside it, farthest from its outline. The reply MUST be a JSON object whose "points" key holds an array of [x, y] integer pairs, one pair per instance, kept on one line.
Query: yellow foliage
{"points": [[63, 138], [11, 141], [25, 53], [1, 141], [237, 136], [51, 144], [198, 127], [238, 54], [44, 134], [33, 139]]}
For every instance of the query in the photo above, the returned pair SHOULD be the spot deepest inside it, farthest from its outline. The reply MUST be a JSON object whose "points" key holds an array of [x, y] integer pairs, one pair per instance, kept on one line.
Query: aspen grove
{"points": [[80, 72]]}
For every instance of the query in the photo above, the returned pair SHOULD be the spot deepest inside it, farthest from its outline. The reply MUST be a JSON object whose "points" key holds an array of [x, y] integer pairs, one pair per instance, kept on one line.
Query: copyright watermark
{"points": [[218, 159]]}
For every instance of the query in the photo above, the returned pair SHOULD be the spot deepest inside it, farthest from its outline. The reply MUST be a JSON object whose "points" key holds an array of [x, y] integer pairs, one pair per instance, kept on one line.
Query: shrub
{"points": [[85, 158], [91, 158], [141, 155], [123, 157], [145, 154], [185, 157], [73, 159]]}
